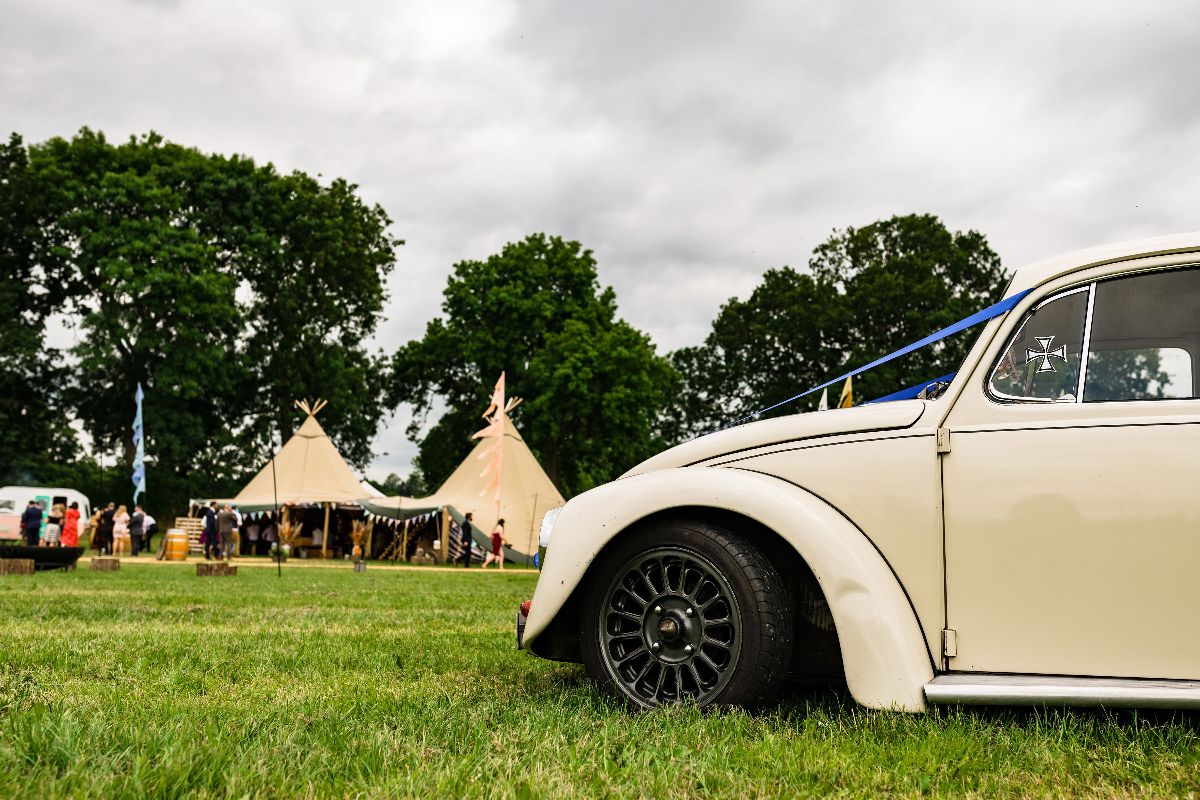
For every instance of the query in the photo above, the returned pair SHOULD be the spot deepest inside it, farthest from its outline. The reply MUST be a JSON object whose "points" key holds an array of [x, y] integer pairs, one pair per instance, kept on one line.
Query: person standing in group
{"points": [[136, 523], [252, 531], [467, 537], [105, 531], [498, 545], [209, 536], [70, 531], [52, 532], [31, 523], [93, 529], [149, 528], [120, 532], [226, 521]]}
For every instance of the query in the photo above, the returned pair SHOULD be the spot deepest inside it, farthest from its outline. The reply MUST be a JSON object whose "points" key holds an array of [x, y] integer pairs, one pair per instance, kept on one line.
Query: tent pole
{"points": [[404, 543], [445, 533], [530, 549], [370, 533], [325, 532]]}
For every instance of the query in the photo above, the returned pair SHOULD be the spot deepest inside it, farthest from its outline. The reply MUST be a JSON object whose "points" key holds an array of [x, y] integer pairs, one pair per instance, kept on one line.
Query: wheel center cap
{"points": [[668, 628]]}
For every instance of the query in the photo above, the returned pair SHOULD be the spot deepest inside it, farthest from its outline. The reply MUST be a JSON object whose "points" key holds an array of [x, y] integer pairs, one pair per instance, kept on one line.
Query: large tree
{"points": [[225, 288], [536, 312], [868, 292]]}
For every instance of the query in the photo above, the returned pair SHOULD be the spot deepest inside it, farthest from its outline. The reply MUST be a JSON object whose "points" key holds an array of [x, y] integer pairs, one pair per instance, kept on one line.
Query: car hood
{"points": [[876, 417]]}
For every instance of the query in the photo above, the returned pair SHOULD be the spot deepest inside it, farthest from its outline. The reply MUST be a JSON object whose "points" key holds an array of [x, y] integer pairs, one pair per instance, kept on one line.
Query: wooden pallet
{"points": [[194, 527]]}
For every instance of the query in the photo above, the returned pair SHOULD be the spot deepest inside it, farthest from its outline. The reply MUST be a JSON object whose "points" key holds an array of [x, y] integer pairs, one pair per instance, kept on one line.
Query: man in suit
{"points": [[210, 531], [136, 526], [226, 524], [31, 523]]}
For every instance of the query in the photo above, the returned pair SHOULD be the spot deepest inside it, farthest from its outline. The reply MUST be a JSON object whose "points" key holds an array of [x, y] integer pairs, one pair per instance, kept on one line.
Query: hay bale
{"points": [[16, 566], [105, 564]]}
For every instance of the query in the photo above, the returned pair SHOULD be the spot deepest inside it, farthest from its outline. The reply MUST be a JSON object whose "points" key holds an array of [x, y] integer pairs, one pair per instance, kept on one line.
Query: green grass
{"points": [[151, 682]]}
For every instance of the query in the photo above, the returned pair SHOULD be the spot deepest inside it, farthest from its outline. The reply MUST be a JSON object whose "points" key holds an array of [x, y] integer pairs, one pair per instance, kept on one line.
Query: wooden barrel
{"points": [[177, 544]]}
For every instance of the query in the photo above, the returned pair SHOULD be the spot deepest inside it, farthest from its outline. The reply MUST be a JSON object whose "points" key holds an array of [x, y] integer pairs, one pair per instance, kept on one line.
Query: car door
{"points": [[1072, 511]]}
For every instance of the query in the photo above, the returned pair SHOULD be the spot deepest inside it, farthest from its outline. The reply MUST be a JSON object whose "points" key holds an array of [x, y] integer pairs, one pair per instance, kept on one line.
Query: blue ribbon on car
{"points": [[912, 392], [992, 311]]}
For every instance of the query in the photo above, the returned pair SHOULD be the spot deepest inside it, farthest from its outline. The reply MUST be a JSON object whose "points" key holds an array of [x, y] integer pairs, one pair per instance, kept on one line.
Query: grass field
{"points": [[152, 682]]}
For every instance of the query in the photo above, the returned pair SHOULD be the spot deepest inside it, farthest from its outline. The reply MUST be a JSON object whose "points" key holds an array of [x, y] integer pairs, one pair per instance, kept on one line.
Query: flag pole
{"points": [[275, 494]]}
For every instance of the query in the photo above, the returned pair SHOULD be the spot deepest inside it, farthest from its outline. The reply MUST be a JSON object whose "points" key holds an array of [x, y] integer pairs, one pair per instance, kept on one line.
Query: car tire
{"points": [[686, 611]]}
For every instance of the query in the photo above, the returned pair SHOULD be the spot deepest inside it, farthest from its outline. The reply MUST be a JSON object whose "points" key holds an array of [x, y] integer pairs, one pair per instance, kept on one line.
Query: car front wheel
{"points": [[687, 612]]}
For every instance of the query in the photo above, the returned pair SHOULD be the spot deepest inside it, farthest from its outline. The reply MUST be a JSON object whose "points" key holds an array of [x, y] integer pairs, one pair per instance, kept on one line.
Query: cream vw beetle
{"points": [[1030, 535]]}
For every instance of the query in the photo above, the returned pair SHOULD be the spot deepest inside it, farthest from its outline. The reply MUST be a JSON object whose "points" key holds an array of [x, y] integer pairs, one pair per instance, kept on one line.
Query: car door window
{"points": [[1145, 333], [1042, 360]]}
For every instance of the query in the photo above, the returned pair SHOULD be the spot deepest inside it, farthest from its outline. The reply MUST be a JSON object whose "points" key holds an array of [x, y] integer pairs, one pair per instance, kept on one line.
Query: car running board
{"points": [[1025, 690]]}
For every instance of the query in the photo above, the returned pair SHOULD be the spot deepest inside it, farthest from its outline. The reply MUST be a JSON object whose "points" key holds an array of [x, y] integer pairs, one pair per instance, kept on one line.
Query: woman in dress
{"points": [[70, 531], [120, 531], [52, 533], [498, 543]]}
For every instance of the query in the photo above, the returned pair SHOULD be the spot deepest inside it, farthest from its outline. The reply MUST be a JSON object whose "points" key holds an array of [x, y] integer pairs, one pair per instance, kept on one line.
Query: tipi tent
{"points": [[499, 479], [307, 469]]}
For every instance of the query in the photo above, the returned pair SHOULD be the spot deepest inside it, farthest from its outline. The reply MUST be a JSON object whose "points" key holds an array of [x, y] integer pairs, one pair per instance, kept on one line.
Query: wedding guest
{"points": [[136, 522], [226, 522], [70, 531], [52, 532], [149, 528], [104, 537], [209, 537], [498, 544], [467, 535], [252, 530], [31, 523], [120, 531]]}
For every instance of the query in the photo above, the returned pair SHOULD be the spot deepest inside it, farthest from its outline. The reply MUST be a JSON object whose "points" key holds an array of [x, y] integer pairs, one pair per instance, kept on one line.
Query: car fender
{"points": [[886, 661]]}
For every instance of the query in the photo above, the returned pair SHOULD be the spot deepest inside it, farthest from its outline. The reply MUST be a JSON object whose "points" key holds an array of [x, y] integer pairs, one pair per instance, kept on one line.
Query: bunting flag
{"points": [[846, 400], [139, 456], [823, 405]]}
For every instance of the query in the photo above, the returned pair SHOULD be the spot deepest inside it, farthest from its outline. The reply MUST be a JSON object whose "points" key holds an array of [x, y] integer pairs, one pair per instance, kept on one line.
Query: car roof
{"points": [[1039, 272]]}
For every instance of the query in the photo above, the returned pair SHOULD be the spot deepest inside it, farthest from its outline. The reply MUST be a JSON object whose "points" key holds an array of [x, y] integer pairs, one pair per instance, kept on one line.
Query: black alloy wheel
{"points": [[687, 612]]}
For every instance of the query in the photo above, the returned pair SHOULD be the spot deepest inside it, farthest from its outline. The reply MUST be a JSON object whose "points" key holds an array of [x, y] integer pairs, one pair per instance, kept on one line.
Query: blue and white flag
{"points": [[139, 456]]}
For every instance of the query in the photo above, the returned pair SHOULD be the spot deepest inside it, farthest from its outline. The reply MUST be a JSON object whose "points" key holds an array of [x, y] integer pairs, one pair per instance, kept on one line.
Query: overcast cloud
{"points": [[691, 145]]}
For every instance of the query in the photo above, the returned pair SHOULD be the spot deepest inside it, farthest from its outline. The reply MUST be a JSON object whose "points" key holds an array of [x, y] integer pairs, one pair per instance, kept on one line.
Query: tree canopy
{"points": [[868, 291], [535, 311], [225, 288]]}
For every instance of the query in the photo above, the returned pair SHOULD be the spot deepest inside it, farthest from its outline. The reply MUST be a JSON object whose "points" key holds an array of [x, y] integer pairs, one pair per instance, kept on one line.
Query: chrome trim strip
{"points": [[1087, 342], [1024, 690]]}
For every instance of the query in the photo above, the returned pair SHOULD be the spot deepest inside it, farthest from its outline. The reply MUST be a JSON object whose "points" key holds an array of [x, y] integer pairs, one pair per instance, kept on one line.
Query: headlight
{"points": [[547, 526]]}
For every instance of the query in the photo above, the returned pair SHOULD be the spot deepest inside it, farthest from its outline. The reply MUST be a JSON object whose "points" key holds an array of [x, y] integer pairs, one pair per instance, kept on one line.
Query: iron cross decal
{"points": [[1046, 354]]}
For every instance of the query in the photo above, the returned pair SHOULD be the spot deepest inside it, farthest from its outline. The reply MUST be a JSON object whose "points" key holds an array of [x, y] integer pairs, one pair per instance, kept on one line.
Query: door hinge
{"points": [[949, 643], [943, 440]]}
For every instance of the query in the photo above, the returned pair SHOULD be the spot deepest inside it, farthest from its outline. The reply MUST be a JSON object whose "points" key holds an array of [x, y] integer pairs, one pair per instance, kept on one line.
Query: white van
{"points": [[14, 499]]}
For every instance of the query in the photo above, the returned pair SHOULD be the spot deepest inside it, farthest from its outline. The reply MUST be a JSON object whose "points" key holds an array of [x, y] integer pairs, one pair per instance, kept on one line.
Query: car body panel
{"points": [[903, 518], [1073, 529], [781, 430], [886, 660]]}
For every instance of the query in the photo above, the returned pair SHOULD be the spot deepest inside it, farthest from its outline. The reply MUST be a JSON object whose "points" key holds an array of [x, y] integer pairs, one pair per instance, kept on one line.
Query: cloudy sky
{"points": [[691, 145]]}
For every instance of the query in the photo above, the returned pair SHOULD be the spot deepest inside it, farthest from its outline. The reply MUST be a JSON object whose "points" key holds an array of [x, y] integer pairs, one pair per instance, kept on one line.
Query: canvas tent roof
{"points": [[526, 494], [308, 469]]}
